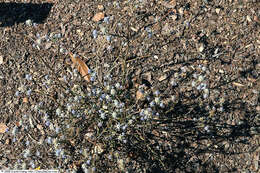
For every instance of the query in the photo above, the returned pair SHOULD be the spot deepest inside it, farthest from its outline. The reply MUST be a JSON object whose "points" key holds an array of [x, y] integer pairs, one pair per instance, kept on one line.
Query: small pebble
{"points": [[28, 22], [106, 19], [217, 10], [221, 71], [95, 34], [201, 48], [108, 37], [1, 59]]}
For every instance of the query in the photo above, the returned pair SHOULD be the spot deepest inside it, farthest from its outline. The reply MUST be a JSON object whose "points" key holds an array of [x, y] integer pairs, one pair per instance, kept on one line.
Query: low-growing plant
{"points": [[103, 122]]}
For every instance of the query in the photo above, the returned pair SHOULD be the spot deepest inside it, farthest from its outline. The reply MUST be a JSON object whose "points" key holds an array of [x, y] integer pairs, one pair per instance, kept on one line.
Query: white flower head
{"points": [[118, 126], [113, 92], [116, 102], [114, 114], [157, 100], [118, 85]]}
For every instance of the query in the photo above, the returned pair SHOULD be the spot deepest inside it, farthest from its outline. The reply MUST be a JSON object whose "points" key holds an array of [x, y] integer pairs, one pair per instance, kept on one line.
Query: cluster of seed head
{"points": [[94, 119], [104, 113]]}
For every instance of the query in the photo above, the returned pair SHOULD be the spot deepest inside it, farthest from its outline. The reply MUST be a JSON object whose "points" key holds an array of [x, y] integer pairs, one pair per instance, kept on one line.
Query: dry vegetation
{"points": [[130, 86]]}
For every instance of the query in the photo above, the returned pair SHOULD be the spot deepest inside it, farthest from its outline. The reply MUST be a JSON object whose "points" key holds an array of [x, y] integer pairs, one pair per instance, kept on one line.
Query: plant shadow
{"points": [[184, 138], [191, 136], [14, 13]]}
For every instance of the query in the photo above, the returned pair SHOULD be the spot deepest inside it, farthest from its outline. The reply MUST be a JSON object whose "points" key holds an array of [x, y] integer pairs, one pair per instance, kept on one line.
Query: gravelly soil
{"points": [[202, 54]]}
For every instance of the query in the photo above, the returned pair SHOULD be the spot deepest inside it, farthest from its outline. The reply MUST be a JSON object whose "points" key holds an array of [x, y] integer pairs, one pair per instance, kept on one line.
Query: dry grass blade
{"points": [[238, 84], [81, 66]]}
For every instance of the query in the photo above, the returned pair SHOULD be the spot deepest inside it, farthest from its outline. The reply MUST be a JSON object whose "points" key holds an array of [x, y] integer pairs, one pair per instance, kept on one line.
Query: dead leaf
{"points": [[98, 149], [99, 16], [17, 123], [163, 77], [25, 100], [48, 45], [149, 76], [155, 133], [39, 126], [3, 128], [238, 84], [139, 95], [7, 142], [100, 7], [80, 33], [81, 66], [170, 4]]}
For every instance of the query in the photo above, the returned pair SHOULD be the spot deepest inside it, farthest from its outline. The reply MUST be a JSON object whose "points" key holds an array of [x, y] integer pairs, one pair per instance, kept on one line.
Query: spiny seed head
{"points": [[106, 19], [118, 126], [173, 83], [14, 140], [142, 112], [38, 153], [114, 114], [28, 77], [26, 153], [17, 93], [120, 138], [100, 124], [193, 83], [49, 140], [206, 91], [113, 92], [88, 162], [92, 78], [122, 105], [24, 165], [157, 92], [183, 69], [201, 78], [108, 97], [29, 92], [57, 152], [124, 127], [103, 115], [152, 104], [146, 112], [130, 122], [95, 34], [161, 105], [118, 85], [108, 87], [108, 37], [32, 164], [58, 111], [14, 131], [205, 96], [157, 100], [116, 103]]}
